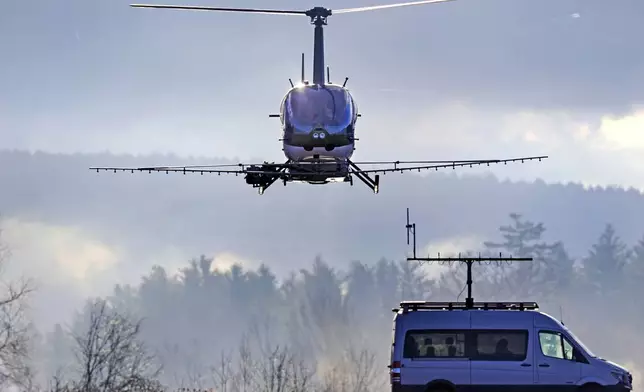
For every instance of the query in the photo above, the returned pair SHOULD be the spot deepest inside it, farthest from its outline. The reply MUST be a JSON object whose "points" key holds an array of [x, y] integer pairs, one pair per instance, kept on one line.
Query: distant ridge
{"points": [[206, 214]]}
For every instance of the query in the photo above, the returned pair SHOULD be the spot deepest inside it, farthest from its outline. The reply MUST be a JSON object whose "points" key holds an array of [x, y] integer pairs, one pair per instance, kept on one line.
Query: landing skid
{"points": [[372, 183]]}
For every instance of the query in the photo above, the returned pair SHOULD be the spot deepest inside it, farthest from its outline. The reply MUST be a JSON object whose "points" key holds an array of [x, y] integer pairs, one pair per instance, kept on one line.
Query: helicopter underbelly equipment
{"points": [[297, 153]]}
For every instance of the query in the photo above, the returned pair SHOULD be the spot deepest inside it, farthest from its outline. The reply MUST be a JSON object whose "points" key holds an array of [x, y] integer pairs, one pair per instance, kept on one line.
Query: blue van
{"points": [[493, 347]]}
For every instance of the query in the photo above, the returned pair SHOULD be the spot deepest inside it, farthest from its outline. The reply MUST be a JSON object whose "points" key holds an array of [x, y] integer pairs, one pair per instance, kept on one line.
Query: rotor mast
{"points": [[318, 17]]}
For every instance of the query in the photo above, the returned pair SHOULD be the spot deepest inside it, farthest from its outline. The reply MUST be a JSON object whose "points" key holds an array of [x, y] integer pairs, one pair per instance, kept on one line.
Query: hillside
{"points": [[143, 212]]}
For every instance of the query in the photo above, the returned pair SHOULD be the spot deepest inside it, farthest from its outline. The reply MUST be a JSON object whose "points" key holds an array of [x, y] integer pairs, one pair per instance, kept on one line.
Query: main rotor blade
{"points": [[379, 7], [200, 8]]}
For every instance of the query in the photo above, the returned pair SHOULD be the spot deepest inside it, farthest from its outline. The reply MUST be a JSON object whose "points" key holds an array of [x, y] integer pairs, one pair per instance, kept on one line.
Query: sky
{"points": [[468, 79], [561, 78]]}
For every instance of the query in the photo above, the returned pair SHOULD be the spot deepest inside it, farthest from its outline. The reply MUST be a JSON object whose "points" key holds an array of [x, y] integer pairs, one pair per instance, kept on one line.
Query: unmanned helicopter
{"points": [[318, 122]]}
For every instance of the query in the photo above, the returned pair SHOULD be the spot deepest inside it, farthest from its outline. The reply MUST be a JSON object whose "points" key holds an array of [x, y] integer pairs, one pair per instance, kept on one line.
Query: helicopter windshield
{"points": [[326, 105]]}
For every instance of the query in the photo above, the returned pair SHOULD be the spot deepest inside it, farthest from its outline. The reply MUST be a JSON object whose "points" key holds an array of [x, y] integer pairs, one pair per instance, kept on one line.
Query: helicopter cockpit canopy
{"points": [[328, 105]]}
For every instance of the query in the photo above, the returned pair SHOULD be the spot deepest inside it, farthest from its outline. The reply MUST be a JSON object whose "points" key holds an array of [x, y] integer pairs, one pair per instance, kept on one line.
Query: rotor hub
{"points": [[319, 15]]}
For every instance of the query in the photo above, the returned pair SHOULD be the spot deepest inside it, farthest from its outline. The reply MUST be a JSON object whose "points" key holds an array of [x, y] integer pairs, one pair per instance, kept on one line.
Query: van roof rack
{"points": [[407, 306]]}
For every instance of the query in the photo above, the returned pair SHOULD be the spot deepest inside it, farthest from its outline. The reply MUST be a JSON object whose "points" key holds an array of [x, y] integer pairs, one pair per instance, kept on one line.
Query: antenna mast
{"points": [[469, 261]]}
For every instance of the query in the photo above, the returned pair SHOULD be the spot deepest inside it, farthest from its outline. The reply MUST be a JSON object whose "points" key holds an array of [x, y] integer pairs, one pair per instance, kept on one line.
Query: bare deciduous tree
{"points": [[15, 330], [355, 372], [110, 355], [278, 368], [244, 376], [222, 374], [263, 367]]}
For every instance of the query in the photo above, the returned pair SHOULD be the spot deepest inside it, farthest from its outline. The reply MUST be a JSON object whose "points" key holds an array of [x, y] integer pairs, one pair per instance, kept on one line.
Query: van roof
{"points": [[482, 314]]}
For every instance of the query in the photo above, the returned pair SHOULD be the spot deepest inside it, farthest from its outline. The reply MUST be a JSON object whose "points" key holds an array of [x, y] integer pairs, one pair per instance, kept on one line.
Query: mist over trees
{"points": [[151, 215], [300, 320], [328, 329]]}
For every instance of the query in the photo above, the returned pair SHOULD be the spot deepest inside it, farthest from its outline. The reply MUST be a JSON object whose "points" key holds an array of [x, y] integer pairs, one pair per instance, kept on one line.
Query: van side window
{"points": [[555, 345], [500, 345], [434, 344]]}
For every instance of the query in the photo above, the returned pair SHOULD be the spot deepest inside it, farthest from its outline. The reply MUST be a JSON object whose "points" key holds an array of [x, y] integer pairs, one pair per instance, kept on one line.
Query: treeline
{"points": [[326, 329]]}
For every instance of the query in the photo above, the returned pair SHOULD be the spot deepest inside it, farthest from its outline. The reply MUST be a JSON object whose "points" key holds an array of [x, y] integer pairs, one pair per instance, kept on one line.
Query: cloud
{"points": [[621, 134], [132, 84], [175, 259], [450, 247], [65, 263], [68, 264], [447, 247], [223, 261], [63, 253], [591, 148]]}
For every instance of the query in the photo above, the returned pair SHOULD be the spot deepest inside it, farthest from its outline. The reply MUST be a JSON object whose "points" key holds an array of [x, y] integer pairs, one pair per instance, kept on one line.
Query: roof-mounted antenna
{"points": [[345, 81], [469, 301], [411, 228], [328, 75]]}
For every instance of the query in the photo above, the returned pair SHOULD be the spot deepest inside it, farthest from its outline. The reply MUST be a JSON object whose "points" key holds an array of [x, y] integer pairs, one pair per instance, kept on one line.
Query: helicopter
{"points": [[318, 123]]}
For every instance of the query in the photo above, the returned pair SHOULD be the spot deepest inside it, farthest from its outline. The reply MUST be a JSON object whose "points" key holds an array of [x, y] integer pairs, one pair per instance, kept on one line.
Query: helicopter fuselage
{"points": [[318, 123]]}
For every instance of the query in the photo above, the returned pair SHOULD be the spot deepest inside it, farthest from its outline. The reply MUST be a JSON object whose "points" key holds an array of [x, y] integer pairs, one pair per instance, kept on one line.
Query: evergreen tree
{"points": [[452, 283], [323, 295], [413, 282], [387, 276], [605, 264], [521, 238], [634, 272], [361, 298], [550, 272], [636, 265], [58, 353]]}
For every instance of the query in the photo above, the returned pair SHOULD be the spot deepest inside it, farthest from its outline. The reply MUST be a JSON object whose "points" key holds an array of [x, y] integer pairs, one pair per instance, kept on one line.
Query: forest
{"points": [[320, 329]]}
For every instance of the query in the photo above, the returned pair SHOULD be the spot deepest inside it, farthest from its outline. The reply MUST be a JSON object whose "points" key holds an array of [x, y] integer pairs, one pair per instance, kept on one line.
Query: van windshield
{"points": [[579, 342]]}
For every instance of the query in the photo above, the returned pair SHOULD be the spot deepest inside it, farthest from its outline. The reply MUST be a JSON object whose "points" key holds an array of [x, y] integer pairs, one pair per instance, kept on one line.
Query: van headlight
{"points": [[623, 377]]}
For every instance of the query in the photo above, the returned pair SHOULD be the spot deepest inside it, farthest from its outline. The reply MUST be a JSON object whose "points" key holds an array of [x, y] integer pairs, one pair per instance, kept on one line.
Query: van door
{"points": [[501, 359], [556, 364], [435, 354]]}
